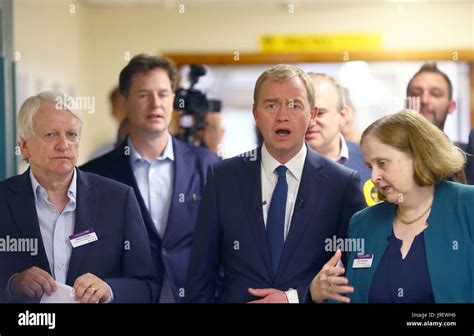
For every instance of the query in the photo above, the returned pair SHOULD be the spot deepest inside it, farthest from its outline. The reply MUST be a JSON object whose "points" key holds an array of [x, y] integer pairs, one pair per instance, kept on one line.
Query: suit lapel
{"points": [[123, 172], [122, 166], [251, 187], [87, 205], [183, 169], [23, 208]]}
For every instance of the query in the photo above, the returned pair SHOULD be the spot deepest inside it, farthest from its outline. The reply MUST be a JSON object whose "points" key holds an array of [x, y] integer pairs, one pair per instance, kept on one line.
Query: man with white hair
{"points": [[104, 255]]}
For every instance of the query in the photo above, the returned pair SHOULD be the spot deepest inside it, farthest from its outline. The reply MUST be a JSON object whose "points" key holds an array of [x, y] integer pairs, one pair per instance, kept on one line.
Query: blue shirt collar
{"points": [[38, 189], [168, 152]]}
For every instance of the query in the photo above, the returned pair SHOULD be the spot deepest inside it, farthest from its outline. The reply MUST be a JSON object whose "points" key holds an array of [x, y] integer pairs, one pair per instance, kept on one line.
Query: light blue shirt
{"points": [[56, 227], [55, 230], [155, 182]]}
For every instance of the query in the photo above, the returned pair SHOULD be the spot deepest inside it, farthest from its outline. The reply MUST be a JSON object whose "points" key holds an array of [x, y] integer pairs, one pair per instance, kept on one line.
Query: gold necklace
{"points": [[405, 221]]}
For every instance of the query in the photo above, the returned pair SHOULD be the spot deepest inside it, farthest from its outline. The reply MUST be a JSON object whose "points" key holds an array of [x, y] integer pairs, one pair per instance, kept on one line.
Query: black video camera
{"points": [[193, 104]]}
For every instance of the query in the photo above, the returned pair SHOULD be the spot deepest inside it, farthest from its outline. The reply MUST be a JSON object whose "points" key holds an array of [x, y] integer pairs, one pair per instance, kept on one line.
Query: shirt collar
{"points": [[38, 189], [344, 153], [295, 165], [168, 152]]}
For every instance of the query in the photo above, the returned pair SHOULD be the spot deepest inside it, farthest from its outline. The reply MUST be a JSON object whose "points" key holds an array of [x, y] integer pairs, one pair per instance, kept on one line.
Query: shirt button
{"points": [[163, 251], [60, 266]]}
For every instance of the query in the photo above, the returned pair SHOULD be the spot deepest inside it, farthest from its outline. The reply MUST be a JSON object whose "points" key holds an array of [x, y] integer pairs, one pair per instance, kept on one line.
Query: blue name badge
{"points": [[363, 261]]}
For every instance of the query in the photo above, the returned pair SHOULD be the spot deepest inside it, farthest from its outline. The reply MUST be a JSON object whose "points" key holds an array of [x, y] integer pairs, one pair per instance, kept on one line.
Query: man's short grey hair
{"points": [[31, 106], [341, 100]]}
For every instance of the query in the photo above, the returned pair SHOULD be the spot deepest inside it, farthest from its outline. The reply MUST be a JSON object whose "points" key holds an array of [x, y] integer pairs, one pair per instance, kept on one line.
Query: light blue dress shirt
{"points": [[55, 230], [155, 182], [56, 227]]}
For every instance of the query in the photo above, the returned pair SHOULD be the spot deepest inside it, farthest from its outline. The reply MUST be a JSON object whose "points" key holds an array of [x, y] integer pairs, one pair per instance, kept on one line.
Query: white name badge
{"points": [[363, 261], [83, 238]]}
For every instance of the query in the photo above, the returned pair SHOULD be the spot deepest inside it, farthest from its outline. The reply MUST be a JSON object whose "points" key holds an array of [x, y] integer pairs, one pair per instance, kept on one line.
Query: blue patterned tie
{"points": [[276, 218]]}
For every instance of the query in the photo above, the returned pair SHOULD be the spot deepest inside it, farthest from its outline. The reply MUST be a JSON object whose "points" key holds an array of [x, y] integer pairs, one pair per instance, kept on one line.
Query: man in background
{"points": [[168, 176], [349, 131], [118, 113], [212, 132], [434, 90], [324, 134]]}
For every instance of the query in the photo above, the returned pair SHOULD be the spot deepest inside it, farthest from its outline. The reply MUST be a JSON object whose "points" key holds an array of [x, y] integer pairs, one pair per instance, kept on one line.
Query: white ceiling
{"points": [[255, 2]]}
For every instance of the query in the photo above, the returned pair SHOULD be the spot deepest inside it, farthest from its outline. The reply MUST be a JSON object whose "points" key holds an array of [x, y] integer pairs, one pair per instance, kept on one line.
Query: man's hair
{"points": [[432, 68], [341, 101], [282, 73], [142, 64], [113, 96], [435, 157], [31, 106]]}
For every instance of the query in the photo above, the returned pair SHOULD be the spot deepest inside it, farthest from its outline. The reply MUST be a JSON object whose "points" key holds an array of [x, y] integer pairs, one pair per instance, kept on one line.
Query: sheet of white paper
{"points": [[63, 294]]}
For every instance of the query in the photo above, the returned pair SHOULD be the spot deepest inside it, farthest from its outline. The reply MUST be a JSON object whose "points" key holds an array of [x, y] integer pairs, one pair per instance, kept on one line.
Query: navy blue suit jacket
{"points": [[230, 233], [356, 162], [172, 253], [121, 255]]}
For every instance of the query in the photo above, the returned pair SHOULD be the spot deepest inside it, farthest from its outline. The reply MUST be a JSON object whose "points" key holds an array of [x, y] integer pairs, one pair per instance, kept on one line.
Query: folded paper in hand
{"points": [[63, 294]]}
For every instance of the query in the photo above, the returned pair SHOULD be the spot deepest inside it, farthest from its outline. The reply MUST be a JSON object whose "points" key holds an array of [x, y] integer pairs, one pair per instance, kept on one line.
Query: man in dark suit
{"points": [[263, 222], [166, 174], [66, 226], [324, 135]]}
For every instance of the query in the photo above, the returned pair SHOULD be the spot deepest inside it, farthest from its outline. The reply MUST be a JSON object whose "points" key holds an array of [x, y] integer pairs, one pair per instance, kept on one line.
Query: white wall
{"points": [[87, 50], [49, 49]]}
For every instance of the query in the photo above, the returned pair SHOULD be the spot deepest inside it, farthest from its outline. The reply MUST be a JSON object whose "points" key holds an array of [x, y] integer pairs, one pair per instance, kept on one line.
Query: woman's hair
{"points": [[435, 157]]}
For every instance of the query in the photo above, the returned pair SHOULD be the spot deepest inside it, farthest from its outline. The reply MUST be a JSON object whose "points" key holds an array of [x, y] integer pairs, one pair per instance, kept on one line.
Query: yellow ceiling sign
{"points": [[288, 44]]}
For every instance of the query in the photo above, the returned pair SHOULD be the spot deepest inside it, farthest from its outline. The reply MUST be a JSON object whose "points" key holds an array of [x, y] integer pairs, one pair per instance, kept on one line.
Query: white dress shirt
{"points": [[344, 153], [269, 179]]}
